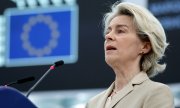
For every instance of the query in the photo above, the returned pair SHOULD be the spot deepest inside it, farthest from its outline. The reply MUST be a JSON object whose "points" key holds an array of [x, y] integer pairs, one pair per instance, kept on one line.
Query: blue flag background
{"points": [[42, 34]]}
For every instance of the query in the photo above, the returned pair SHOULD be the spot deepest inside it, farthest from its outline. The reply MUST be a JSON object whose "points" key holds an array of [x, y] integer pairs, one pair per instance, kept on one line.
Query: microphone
{"points": [[20, 81], [56, 64]]}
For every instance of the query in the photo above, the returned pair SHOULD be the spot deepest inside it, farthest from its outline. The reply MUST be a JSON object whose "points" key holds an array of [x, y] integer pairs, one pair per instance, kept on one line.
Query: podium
{"points": [[12, 98]]}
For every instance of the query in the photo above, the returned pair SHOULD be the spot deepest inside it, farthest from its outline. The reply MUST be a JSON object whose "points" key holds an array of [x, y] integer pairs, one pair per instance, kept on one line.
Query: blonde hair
{"points": [[148, 29]]}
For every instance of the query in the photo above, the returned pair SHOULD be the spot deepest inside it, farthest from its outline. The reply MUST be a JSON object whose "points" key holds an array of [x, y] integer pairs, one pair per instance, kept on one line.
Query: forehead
{"points": [[121, 21]]}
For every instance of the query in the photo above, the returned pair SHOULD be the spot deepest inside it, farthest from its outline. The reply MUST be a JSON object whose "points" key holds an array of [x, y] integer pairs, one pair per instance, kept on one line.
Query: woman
{"points": [[134, 43]]}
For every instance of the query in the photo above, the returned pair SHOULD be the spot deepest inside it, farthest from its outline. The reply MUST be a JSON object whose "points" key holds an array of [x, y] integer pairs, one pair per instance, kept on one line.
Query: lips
{"points": [[109, 47]]}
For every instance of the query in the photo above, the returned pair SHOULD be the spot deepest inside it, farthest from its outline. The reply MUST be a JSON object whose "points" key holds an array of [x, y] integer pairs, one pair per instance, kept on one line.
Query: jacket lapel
{"points": [[105, 96], [138, 79], [125, 91]]}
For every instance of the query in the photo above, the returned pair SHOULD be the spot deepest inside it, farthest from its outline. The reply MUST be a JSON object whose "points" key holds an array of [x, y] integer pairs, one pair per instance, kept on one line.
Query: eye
{"points": [[120, 31]]}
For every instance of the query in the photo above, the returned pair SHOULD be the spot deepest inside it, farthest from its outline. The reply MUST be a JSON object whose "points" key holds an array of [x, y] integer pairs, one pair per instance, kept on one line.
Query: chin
{"points": [[110, 60]]}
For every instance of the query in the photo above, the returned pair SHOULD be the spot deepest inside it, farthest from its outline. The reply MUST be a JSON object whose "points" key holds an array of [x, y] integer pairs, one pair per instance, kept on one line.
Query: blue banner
{"points": [[41, 36]]}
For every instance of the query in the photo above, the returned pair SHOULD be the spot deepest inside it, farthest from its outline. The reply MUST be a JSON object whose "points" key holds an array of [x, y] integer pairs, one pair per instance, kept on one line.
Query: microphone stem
{"points": [[33, 87]]}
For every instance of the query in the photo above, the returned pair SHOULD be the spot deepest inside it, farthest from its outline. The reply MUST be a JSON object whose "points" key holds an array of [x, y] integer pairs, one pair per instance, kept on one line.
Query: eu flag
{"points": [[41, 36]]}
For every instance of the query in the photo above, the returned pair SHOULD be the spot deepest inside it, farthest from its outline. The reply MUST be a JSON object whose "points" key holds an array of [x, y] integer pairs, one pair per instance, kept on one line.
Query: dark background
{"points": [[90, 71]]}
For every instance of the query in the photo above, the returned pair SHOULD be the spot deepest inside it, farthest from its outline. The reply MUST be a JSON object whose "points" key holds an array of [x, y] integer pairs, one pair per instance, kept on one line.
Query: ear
{"points": [[146, 47]]}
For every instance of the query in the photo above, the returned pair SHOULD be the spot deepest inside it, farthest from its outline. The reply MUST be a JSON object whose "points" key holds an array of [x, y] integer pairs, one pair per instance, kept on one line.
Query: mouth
{"points": [[110, 48]]}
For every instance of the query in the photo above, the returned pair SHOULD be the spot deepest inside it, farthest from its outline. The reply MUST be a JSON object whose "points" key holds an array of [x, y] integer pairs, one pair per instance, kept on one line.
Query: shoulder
{"points": [[99, 95], [156, 87], [98, 100], [102, 95], [158, 95], [94, 101]]}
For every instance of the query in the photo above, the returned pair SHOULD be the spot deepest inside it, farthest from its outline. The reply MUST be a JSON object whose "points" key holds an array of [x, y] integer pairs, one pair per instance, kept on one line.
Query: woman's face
{"points": [[122, 44]]}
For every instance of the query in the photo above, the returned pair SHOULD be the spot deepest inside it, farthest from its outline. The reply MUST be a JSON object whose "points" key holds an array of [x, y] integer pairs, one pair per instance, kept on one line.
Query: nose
{"points": [[109, 36]]}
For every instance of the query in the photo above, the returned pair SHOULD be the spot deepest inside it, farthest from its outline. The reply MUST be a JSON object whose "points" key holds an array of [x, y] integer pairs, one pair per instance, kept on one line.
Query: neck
{"points": [[124, 74]]}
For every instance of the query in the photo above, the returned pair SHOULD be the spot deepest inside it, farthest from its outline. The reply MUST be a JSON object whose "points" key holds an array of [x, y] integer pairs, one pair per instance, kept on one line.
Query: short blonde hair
{"points": [[148, 29]]}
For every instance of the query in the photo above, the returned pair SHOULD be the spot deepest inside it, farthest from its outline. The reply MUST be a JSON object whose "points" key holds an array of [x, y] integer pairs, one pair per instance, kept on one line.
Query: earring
{"points": [[141, 53]]}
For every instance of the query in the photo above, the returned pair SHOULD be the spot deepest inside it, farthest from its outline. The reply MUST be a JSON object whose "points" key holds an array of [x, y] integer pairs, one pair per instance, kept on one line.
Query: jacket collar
{"points": [[138, 79]]}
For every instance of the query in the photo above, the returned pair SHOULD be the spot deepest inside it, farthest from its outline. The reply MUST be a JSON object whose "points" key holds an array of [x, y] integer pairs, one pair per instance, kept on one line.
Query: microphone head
{"points": [[58, 63]]}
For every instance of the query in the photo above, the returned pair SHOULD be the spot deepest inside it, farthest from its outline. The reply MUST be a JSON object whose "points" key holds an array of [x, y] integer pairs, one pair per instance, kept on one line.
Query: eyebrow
{"points": [[118, 26], [122, 26]]}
